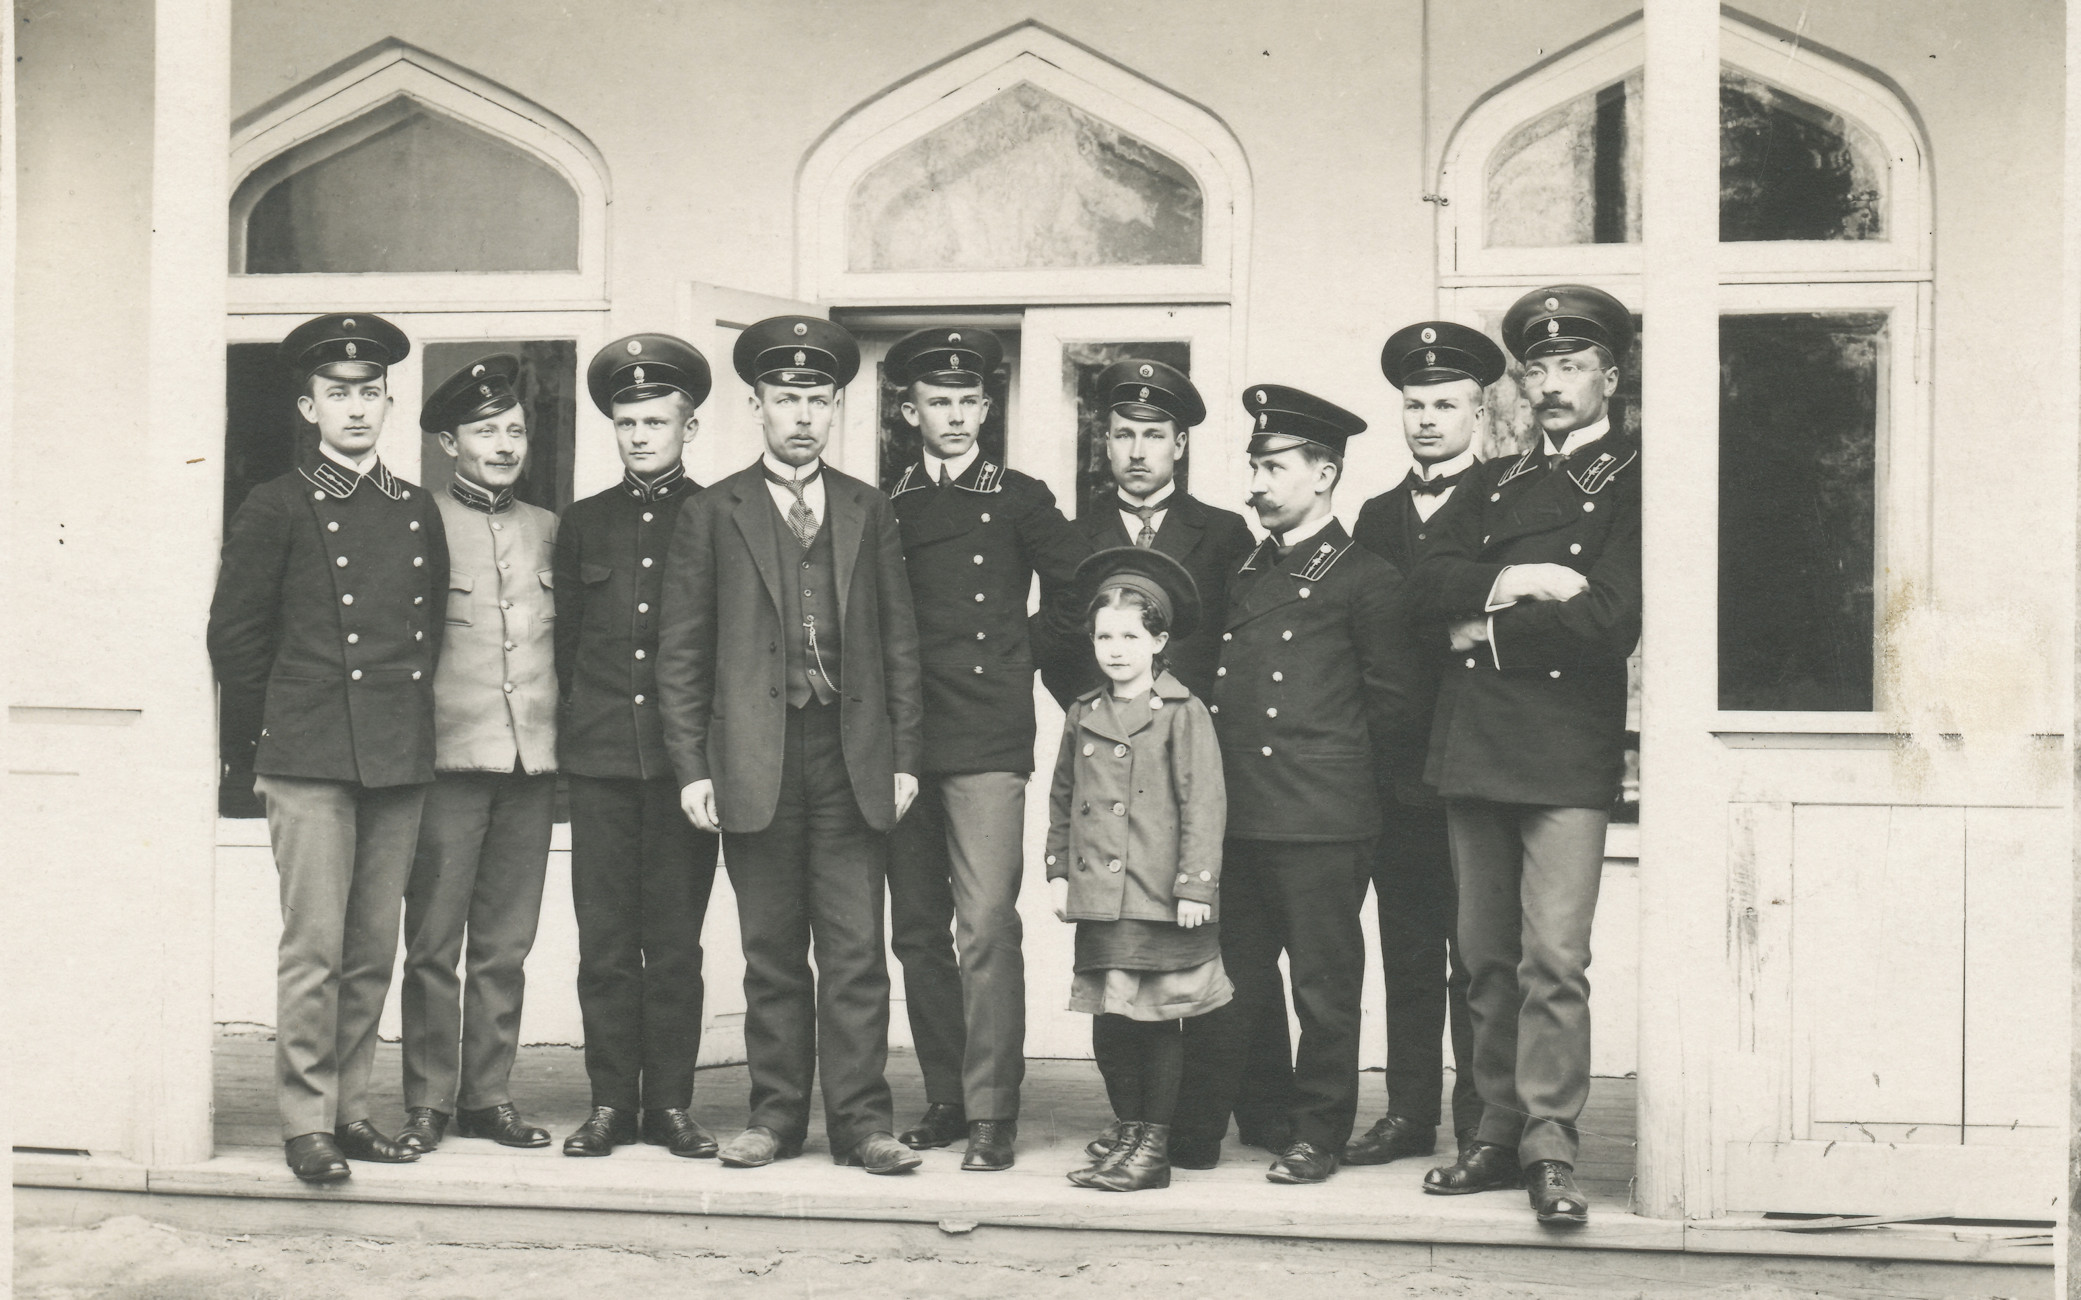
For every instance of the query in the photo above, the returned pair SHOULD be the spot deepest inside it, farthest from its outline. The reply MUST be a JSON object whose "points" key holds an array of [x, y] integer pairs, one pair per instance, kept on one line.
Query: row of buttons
{"points": [[333, 525], [1119, 751]]}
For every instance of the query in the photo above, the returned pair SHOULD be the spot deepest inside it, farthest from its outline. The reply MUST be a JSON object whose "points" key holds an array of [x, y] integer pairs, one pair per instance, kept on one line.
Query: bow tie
{"points": [[1433, 486]]}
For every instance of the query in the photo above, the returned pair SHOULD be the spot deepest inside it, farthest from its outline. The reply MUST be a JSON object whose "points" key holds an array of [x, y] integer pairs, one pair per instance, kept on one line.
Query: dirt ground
{"points": [[130, 1258]]}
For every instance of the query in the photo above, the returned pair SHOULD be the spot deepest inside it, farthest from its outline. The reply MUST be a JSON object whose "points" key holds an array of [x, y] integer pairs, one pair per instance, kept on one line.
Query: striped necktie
{"points": [[1147, 514], [802, 521]]}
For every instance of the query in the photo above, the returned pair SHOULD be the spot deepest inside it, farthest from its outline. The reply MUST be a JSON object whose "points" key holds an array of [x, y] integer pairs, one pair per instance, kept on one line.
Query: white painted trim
{"points": [[1754, 51], [1188, 133], [388, 71]]}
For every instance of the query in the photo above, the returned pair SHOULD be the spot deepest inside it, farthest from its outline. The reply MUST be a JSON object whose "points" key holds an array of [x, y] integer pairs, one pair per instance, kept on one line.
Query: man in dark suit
{"points": [[641, 873], [1541, 589], [975, 534], [324, 632], [788, 674], [1441, 369], [1313, 690]]}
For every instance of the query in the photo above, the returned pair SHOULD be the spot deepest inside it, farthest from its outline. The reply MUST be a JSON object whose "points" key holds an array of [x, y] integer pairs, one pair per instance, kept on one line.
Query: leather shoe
{"points": [[1116, 1154], [942, 1126], [424, 1128], [676, 1130], [1464, 1138], [316, 1158], [1302, 1162], [360, 1141], [1136, 1166], [1102, 1145], [1391, 1138], [502, 1124], [1482, 1167], [1555, 1198], [990, 1145], [606, 1128], [879, 1153], [756, 1146]]}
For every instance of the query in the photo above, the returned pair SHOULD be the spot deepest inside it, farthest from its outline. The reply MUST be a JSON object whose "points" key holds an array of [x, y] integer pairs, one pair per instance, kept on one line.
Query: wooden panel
{"points": [[2018, 941], [1881, 1178], [1878, 943]]}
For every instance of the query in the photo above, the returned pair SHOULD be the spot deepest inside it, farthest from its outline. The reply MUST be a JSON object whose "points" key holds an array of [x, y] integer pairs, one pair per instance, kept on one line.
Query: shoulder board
{"points": [[1523, 466], [904, 484], [1594, 476], [1324, 558], [986, 479]]}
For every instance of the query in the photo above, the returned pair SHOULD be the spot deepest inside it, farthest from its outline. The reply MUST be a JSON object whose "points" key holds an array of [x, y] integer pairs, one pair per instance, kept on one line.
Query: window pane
{"points": [[404, 189], [1081, 365], [1794, 170], [900, 444], [1799, 412], [1025, 179], [548, 390], [1571, 176]]}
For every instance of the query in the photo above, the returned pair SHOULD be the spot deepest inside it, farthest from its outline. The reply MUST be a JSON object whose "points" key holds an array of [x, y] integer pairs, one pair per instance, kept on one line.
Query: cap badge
{"points": [[484, 390], [954, 337], [352, 350], [1429, 335], [476, 370], [1553, 304], [1148, 371], [787, 376], [639, 374], [1263, 418], [801, 358], [1261, 398], [801, 328], [953, 360], [347, 323], [1430, 358], [1145, 395], [635, 347], [1553, 327]]}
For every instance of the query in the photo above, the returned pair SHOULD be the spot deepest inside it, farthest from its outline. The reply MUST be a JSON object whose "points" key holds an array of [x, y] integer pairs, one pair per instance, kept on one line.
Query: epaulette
{"points": [[1602, 470], [1523, 466], [986, 477], [904, 484], [1325, 557]]}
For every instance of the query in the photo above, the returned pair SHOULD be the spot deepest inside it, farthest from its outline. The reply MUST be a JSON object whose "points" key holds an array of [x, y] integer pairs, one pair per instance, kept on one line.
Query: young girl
{"points": [[1134, 856]]}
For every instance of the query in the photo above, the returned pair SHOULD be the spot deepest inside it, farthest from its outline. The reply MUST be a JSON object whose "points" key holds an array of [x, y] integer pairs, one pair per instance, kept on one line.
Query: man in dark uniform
{"points": [[324, 633], [641, 873], [1313, 690], [1442, 369], [1541, 589], [974, 535], [788, 670]]}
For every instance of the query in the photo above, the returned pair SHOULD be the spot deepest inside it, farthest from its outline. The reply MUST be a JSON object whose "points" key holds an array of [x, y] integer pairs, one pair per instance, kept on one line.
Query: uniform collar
{"points": [[1308, 530], [479, 498], [948, 470], [1310, 562], [327, 473], [658, 487], [1578, 439]]}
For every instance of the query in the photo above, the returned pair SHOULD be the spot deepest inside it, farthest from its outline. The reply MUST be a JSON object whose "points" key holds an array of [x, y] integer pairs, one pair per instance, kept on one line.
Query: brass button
{"points": [[1221, 672], [1470, 663], [509, 688], [1266, 751], [1119, 751], [1089, 750], [639, 699], [986, 516], [1495, 496], [646, 561], [333, 527], [647, 517], [497, 527], [415, 674], [1228, 636], [1287, 635], [505, 604], [643, 607], [1278, 677], [1213, 708], [356, 674], [504, 565], [414, 525], [1271, 713], [1575, 548], [347, 599], [418, 600], [979, 670], [1114, 865], [978, 559], [418, 560], [317, 496], [510, 645], [1588, 506], [980, 635], [419, 636], [1304, 593], [353, 638], [979, 598], [342, 561], [1555, 673], [1119, 809], [639, 654]]}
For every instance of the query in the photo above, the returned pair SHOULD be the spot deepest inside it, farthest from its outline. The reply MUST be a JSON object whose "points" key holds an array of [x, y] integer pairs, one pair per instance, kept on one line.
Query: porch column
{"points": [[184, 450], [1683, 826]]}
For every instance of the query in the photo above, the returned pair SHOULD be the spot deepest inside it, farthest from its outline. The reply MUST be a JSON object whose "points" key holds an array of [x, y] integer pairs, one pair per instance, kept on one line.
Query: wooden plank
{"points": [[1878, 938], [2018, 945], [1978, 1182]]}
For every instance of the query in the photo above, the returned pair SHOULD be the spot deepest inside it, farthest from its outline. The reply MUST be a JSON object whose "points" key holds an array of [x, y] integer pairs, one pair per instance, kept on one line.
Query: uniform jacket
{"points": [[1210, 543], [607, 630], [972, 549], [326, 627], [1389, 526], [720, 665], [495, 689], [1315, 690], [1136, 813], [1538, 715]]}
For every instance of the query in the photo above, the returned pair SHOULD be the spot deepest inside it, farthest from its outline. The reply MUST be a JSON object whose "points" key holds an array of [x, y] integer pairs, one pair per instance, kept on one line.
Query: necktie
{"points": [[1147, 514], [802, 521]]}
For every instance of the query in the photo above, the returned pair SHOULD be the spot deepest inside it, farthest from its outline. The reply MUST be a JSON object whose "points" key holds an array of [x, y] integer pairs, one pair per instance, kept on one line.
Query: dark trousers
{"points": [[342, 851], [641, 875], [476, 883], [814, 876], [955, 863], [1301, 899], [1528, 879], [1426, 976]]}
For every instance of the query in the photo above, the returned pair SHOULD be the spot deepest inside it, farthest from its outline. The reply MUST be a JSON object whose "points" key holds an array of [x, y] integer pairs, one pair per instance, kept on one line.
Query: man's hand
{"points": [[1058, 894], [697, 801], [1468, 633], [1192, 915], [1556, 582], [906, 792]]}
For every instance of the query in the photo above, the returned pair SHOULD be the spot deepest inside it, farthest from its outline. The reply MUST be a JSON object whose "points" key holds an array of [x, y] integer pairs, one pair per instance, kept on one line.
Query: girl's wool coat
{"points": [[1136, 814]]}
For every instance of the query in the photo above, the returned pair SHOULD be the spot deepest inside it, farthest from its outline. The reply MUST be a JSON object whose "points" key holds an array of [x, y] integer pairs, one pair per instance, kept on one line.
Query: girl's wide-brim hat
{"points": [[1159, 577]]}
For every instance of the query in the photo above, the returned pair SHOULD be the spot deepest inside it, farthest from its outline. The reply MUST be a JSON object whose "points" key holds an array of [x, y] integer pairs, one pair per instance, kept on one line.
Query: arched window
{"points": [[1824, 268]]}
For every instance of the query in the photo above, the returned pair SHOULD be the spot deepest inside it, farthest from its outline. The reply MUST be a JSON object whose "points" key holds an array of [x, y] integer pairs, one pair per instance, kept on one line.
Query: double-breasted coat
{"points": [[607, 600], [1315, 689], [721, 668], [971, 549], [326, 626], [1137, 811], [1538, 714]]}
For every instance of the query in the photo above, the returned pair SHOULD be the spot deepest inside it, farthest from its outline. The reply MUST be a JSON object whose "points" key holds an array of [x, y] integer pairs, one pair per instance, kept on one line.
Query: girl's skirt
{"points": [[1152, 994]]}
